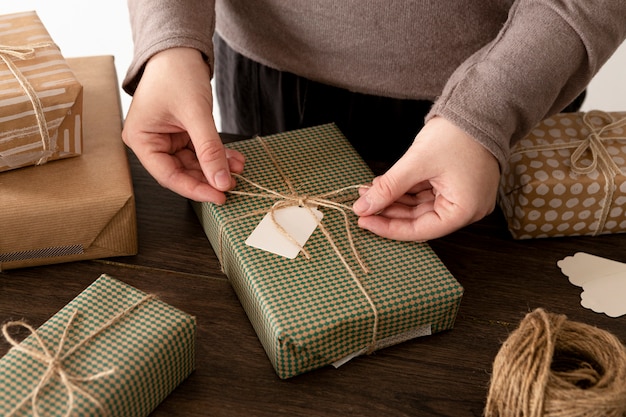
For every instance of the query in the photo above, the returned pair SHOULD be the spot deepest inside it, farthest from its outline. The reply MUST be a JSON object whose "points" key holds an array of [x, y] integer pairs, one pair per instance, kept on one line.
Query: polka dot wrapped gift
{"points": [[112, 351], [567, 177], [323, 306]]}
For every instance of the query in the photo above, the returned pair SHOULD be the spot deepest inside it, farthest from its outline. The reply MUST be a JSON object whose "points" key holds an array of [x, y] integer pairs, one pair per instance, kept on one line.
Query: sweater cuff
{"points": [[482, 137], [136, 68]]}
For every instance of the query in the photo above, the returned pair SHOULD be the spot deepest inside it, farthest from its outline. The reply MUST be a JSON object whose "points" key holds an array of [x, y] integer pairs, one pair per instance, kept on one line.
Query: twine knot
{"points": [[23, 52], [55, 366]]}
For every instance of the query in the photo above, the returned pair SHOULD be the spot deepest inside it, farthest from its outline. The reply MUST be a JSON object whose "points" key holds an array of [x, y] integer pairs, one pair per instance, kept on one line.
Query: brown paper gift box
{"points": [[78, 208], [32, 69], [567, 177]]}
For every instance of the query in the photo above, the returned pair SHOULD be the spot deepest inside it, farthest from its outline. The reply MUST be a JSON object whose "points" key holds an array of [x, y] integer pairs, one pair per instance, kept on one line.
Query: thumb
{"points": [[385, 190], [210, 152]]}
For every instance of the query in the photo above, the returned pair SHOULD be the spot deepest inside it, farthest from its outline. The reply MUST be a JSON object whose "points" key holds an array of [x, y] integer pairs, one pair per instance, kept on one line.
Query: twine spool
{"points": [[553, 367]]}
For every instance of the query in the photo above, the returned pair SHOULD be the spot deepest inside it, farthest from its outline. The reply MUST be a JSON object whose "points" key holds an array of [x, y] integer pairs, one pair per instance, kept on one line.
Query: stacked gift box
{"points": [[80, 206], [41, 99]]}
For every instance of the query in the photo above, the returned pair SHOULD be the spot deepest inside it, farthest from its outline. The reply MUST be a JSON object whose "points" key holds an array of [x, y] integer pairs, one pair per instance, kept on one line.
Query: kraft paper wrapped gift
{"points": [[122, 352], [78, 208], [567, 177], [40, 97], [313, 312]]}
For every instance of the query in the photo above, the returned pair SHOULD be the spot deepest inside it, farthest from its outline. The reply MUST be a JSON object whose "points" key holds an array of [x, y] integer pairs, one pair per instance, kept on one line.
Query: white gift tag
{"points": [[581, 267], [603, 282], [605, 294], [297, 222]]}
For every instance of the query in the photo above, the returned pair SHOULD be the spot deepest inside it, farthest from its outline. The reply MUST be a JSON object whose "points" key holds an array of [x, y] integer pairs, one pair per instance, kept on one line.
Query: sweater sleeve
{"points": [[162, 24], [542, 59]]}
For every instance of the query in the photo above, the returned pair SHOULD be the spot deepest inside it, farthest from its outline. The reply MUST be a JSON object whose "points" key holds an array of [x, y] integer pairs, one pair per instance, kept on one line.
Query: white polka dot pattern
{"points": [[567, 177], [151, 351], [310, 313]]}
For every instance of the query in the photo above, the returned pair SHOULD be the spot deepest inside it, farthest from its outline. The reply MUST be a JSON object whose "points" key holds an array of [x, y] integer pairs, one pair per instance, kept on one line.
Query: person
{"points": [[485, 71]]}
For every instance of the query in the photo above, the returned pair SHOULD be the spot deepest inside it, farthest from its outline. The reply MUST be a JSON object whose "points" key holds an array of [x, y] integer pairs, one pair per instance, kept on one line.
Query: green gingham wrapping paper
{"points": [[151, 350], [310, 313]]}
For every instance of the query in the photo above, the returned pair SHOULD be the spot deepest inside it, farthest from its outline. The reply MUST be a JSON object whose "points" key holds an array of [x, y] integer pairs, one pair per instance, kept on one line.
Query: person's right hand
{"points": [[170, 128]]}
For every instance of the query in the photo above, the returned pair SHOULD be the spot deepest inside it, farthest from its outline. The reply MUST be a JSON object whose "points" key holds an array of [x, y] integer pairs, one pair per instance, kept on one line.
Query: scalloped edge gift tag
{"points": [[581, 267], [603, 282], [606, 295]]}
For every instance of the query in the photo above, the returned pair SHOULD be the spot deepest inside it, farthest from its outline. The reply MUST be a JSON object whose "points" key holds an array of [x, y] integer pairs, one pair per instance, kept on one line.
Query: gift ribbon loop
{"points": [[22, 52], [54, 360], [293, 198], [594, 145]]}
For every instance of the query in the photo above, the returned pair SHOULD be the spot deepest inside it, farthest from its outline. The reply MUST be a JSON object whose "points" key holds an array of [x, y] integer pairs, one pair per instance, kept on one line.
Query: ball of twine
{"points": [[553, 367]]}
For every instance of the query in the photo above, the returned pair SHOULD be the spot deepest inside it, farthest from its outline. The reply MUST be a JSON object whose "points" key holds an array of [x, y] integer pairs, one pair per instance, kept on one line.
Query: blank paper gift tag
{"points": [[297, 222], [603, 282]]}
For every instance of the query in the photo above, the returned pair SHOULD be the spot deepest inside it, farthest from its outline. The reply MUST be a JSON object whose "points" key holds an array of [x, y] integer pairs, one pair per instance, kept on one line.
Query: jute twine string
{"points": [[54, 360], [293, 198], [553, 367], [7, 52], [600, 156]]}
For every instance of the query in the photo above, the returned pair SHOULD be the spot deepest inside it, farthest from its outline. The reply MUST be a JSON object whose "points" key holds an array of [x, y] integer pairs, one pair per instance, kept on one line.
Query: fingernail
{"points": [[222, 180], [361, 205]]}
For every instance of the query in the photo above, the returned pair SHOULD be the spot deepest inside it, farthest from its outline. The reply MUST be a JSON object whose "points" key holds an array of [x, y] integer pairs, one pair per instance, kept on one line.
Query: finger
{"points": [[170, 172], [236, 160], [402, 211], [416, 199], [421, 186], [387, 188], [427, 226], [210, 151], [189, 161]]}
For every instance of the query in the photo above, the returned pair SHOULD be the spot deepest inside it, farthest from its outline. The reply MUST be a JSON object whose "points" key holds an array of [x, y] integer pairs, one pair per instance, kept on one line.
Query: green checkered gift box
{"points": [[112, 351], [324, 306]]}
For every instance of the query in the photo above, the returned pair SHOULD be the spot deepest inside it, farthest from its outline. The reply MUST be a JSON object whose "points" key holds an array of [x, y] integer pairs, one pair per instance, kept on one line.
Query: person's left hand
{"points": [[445, 181]]}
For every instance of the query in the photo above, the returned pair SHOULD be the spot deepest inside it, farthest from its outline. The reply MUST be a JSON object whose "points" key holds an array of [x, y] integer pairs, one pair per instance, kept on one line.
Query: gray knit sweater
{"points": [[493, 67]]}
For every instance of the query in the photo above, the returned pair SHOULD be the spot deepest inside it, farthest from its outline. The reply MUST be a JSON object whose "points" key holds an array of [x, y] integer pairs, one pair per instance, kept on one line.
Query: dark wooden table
{"points": [[446, 374]]}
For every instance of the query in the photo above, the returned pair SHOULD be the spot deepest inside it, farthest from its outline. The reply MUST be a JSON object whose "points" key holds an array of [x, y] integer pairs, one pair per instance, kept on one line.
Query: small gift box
{"points": [[566, 178], [349, 291], [40, 97], [80, 208], [113, 351]]}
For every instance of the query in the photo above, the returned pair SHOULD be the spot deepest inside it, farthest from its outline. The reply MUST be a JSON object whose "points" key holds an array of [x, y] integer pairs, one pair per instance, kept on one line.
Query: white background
{"points": [[89, 27]]}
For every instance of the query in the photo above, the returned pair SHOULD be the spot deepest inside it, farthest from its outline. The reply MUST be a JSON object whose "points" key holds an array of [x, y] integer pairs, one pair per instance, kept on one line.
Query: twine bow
{"points": [[293, 198], [7, 52], [600, 157], [54, 361], [594, 144]]}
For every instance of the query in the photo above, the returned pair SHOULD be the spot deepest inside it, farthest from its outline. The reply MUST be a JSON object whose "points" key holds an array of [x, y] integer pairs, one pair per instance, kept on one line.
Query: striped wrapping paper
{"points": [[26, 47]]}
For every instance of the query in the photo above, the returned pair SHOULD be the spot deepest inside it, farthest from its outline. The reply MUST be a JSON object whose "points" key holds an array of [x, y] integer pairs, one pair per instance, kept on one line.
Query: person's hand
{"points": [[170, 128], [445, 181]]}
